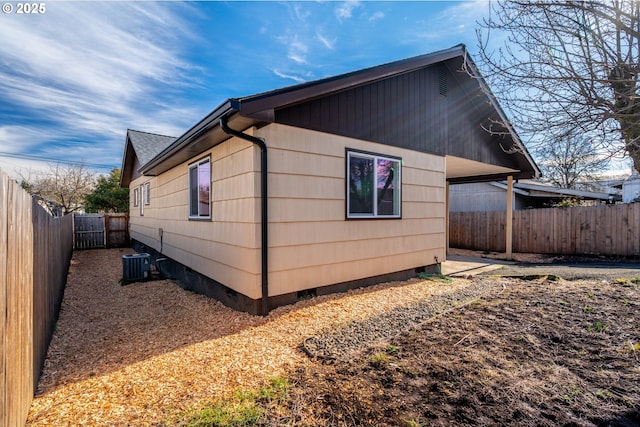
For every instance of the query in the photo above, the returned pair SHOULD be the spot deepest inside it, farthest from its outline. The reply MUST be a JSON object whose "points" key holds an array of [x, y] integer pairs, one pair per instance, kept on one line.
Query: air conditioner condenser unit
{"points": [[136, 268]]}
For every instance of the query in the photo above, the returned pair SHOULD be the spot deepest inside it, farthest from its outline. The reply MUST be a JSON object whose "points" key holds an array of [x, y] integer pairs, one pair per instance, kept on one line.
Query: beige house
{"points": [[354, 190]]}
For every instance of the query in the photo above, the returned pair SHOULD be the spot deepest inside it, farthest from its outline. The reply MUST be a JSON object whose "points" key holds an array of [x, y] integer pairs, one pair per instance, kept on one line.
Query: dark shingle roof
{"points": [[148, 145]]}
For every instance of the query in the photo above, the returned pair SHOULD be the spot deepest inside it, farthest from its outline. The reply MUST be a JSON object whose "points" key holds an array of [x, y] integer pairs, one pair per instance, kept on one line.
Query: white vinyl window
{"points": [[146, 191], [373, 185], [200, 189], [136, 197]]}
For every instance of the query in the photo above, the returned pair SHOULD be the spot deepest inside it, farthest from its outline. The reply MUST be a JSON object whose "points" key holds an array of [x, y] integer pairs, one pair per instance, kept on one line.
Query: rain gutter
{"points": [[183, 141]]}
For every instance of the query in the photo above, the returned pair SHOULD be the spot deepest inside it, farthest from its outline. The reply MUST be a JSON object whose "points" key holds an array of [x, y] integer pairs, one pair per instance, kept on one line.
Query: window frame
{"points": [[196, 165], [350, 153], [136, 197], [146, 193]]}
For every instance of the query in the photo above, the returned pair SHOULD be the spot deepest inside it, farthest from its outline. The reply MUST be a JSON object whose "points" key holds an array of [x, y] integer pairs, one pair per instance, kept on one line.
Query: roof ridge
{"points": [[151, 133], [458, 50]]}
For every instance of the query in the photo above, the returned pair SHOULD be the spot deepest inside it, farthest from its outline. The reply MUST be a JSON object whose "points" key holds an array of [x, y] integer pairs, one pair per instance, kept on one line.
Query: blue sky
{"points": [[74, 78]]}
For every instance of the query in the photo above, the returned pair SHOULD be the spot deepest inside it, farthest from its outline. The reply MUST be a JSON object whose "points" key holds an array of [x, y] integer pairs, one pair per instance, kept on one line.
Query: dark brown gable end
{"points": [[439, 110], [428, 103]]}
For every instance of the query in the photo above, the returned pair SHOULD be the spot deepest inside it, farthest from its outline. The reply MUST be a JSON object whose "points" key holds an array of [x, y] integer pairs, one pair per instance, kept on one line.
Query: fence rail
{"points": [[35, 250], [612, 230]]}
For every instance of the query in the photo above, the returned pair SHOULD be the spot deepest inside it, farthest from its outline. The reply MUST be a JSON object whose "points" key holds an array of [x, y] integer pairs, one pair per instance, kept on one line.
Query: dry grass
{"points": [[139, 354]]}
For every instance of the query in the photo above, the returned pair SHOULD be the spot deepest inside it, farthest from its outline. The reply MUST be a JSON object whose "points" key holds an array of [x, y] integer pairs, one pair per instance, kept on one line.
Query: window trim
{"points": [[141, 199], [349, 153], [136, 197], [196, 165], [146, 192]]}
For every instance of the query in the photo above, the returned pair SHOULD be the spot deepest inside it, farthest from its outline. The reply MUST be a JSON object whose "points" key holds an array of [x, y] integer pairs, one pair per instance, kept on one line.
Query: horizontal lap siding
{"points": [[227, 248], [311, 242]]}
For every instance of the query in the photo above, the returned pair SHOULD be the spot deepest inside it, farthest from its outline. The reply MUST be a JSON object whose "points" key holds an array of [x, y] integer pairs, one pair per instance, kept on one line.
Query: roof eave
{"points": [[261, 106], [163, 161], [126, 160]]}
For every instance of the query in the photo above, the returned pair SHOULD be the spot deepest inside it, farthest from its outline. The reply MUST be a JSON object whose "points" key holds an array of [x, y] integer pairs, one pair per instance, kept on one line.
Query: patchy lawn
{"points": [[484, 351]]}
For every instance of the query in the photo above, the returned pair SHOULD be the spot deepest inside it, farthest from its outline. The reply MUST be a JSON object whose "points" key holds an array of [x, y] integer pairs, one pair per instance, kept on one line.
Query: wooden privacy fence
{"points": [[93, 231], [612, 230], [35, 251]]}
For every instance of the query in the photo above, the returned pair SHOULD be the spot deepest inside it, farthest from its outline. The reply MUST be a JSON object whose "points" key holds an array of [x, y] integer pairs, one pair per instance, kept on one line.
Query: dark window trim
{"points": [[346, 183], [189, 166]]}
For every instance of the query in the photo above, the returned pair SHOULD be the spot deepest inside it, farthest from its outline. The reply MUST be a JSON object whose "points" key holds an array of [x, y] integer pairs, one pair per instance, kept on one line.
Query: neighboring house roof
{"points": [[393, 104], [141, 146], [540, 190]]}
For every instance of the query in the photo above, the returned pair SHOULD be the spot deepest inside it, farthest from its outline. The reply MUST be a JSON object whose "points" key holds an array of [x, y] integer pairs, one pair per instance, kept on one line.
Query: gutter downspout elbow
{"points": [[224, 125]]}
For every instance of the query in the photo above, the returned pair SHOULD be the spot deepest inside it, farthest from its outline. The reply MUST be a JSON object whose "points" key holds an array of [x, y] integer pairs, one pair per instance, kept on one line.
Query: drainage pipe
{"points": [[263, 196]]}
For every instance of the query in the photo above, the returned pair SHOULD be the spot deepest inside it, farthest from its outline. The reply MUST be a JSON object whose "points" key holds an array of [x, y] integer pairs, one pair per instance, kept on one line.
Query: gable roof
{"points": [[140, 148], [474, 103]]}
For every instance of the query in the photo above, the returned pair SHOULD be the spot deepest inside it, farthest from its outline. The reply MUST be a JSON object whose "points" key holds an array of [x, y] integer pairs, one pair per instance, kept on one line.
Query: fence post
{"points": [[106, 231], [509, 221], [446, 250]]}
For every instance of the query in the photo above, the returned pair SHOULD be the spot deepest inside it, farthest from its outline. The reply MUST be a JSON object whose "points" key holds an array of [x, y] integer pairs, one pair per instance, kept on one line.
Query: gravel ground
{"points": [[356, 336]]}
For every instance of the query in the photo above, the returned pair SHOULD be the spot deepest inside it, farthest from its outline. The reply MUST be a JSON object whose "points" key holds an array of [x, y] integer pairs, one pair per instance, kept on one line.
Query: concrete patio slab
{"points": [[459, 266]]}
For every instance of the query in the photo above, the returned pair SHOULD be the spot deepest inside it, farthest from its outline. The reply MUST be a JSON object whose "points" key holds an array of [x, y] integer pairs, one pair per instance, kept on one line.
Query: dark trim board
{"points": [[191, 280]]}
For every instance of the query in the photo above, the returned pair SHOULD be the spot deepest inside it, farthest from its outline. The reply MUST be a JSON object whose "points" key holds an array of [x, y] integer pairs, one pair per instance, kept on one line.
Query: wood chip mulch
{"points": [[139, 354]]}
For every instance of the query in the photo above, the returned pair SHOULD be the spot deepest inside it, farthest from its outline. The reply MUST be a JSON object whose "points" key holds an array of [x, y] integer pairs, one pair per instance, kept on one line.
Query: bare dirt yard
{"points": [[484, 350]]}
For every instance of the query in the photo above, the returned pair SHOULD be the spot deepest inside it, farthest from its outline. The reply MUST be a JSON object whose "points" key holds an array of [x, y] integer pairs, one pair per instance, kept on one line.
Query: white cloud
{"points": [[15, 139], [18, 168], [293, 77], [345, 10], [376, 16], [452, 25], [325, 41], [300, 13], [91, 69], [297, 50]]}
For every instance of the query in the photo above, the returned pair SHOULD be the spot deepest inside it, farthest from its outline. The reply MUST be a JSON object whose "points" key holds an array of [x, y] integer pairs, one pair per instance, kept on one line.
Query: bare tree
{"points": [[568, 68], [569, 162], [62, 189]]}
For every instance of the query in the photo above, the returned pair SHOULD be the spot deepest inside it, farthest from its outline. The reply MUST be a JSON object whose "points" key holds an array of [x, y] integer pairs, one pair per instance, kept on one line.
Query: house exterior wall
{"points": [[631, 189], [480, 197], [312, 244], [225, 248]]}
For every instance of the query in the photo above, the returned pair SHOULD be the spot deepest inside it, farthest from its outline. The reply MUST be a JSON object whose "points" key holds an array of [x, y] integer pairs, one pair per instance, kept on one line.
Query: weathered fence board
{"points": [[35, 251], [603, 230], [117, 230], [89, 231], [96, 231]]}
